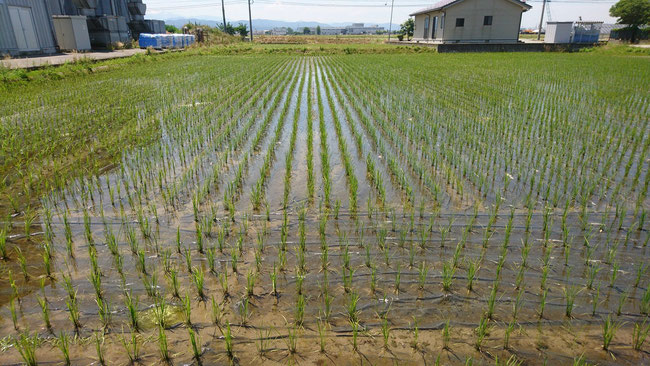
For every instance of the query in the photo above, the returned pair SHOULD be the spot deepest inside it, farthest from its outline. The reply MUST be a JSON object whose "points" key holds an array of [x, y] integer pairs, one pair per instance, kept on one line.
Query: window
{"points": [[487, 20], [460, 22]]}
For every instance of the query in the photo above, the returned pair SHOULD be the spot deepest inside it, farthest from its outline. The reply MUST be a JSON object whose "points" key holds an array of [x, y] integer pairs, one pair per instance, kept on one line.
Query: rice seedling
{"points": [[194, 341], [228, 341], [447, 276], [63, 343], [99, 341], [446, 335], [385, 331], [640, 334], [609, 331], [26, 345], [570, 293], [481, 332], [131, 346]]}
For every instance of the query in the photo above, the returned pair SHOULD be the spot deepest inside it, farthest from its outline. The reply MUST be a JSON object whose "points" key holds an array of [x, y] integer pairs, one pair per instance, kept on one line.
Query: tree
{"points": [[289, 31], [228, 29], [634, 13], [171, 29], [242, 29], [306, 30], [318, 30], [407, 28]]}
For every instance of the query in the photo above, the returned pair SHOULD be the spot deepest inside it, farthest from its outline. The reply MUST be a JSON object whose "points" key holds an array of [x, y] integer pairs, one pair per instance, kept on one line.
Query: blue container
{"points": [[149, 40]]}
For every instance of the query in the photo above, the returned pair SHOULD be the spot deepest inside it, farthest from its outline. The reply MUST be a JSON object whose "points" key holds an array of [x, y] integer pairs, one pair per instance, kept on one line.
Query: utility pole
{"points": [[223, 10], [250, 20], [390, 25], [541, 21]]}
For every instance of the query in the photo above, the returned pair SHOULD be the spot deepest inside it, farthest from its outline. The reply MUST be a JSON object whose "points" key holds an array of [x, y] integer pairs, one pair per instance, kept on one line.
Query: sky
{"points": [[362, 11]]}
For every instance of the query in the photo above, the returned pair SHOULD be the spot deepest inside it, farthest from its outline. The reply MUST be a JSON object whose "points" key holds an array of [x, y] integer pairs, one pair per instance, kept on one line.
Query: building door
{"points": [[24, 29], [426, 27], [434, 26]]}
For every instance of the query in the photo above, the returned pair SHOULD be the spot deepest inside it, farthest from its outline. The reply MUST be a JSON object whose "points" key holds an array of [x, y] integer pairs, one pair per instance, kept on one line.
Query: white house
{"points": [[468, 21]]}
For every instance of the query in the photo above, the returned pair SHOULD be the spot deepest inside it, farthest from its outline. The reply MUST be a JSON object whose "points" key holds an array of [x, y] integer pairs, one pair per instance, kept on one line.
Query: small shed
{"points": [[25, 27], [558, 32]]}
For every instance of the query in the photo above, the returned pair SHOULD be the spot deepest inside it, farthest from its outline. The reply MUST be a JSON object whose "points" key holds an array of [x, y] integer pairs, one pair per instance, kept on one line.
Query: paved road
{"points": [[60, 59]]}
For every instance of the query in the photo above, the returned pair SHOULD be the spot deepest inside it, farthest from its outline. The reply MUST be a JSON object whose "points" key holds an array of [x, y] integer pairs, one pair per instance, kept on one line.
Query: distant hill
{"points": [[264, 24]]}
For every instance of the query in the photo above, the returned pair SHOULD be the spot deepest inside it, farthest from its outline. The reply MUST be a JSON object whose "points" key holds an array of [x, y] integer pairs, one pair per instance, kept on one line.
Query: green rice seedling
{"points": [[640, 271], [142, 262], [542, 303], [472, 269], [63, 343], [188, 260], [570, 293], [416, 333], [73, 312], [385, 331], [640, 334], [506, 336], [150, 284], [228, 341], [47, 264], [244, 310], [621, 302], [233, 260], [187, 310], [45, 311], [517, 304], [398, 276], [223, 280], [644, 305], [481, 332], [210, 254], [194, 341], [595, 300], [300, 310], [163, 346], [446, 337], [198, 278], [447, 276], [321, 335], [422, 274], [542, 284], [615, 267], [592, 271], [3, 244], [131, 303], [104, 312], [491, 301], [351, 306], [216, 312], [14, 315], [292, 339], [26, 345], [131, 346], [173, 282], [99, 341], [609, 331]]}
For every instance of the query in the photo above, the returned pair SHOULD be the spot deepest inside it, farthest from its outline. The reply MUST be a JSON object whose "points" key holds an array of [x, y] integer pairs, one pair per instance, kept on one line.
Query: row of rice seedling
{"points": [[166, 241]]}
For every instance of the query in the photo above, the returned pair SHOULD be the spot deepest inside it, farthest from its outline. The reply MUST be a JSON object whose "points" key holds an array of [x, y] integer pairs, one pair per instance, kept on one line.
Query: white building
{"points": [[360, 28], [467, 21], [332, 31]]}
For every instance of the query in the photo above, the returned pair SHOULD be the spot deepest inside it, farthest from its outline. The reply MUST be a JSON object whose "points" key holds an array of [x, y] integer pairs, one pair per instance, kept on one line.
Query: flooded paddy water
{"points": [[341, 210]]}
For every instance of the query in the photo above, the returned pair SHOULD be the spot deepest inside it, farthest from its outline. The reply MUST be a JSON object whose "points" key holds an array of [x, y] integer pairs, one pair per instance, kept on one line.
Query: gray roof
{"points": [[447, 3]]}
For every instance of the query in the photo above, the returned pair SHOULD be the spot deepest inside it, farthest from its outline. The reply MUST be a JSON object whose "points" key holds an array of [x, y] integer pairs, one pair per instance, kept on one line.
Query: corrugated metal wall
{"points": [[7, 38], [42, 23]]}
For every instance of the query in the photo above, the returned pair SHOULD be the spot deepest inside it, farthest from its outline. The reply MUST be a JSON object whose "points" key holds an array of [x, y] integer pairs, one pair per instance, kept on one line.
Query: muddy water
{"points": [[401, 252]]}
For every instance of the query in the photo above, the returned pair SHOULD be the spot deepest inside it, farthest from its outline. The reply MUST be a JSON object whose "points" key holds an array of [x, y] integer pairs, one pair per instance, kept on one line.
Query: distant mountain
{"points": [[265, 24]]}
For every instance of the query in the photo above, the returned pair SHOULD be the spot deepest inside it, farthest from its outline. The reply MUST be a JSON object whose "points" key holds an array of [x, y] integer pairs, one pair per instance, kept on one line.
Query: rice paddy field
{"points": [[344, 209]]}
